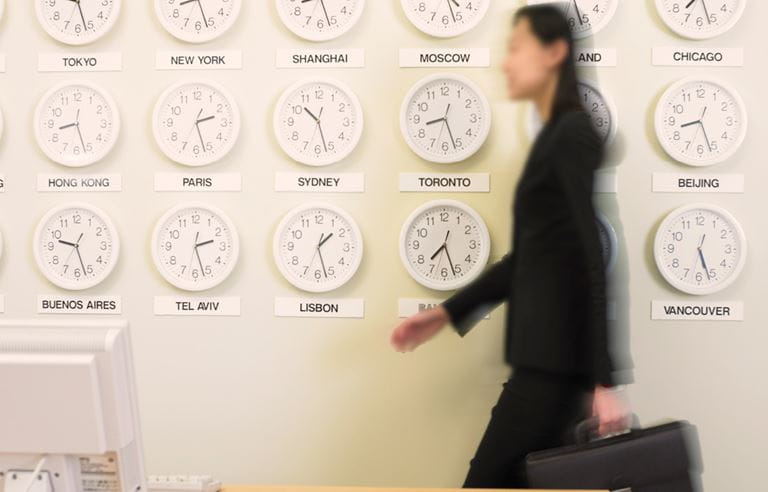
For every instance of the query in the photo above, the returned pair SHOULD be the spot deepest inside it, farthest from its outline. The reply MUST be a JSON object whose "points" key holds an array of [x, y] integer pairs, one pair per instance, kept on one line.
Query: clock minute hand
{"points": [[80, 8]]}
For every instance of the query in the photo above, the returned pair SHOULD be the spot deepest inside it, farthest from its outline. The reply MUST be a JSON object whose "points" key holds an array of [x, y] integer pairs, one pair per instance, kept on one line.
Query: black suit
{"points": [[555, 283]]}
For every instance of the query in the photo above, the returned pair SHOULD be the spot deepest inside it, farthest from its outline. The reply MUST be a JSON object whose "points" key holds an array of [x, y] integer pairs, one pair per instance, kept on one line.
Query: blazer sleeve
{"points": [[578, 155], [471, 303]]}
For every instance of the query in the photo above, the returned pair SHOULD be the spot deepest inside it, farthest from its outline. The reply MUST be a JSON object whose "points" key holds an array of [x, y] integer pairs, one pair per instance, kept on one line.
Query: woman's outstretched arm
{"points": [[472, 302]]}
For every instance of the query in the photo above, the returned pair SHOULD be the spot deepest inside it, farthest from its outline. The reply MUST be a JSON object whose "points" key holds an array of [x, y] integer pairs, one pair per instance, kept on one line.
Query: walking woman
{"points": [[553, 278]]}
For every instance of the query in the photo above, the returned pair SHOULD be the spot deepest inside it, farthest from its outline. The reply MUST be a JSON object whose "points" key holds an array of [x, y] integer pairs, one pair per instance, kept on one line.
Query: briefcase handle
{"points": [[586, 430]]}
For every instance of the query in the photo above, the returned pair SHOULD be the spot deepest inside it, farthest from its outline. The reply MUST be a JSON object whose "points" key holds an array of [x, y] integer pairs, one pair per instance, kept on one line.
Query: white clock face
{"points": [[608, 241], [445, 18], [319, 20], [700, 122], [445, 118], [598, 106], [76, 246], [586, 17], [444, 244], [700, 19], [77, 22], [700, 248], [318, 247], [196, 123], [318, 122], [195, 246], [197, 21], [76, 123]]}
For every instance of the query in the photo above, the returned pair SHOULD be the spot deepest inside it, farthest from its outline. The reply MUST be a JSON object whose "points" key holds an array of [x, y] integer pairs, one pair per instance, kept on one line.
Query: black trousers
{"points": [[536, 410]]}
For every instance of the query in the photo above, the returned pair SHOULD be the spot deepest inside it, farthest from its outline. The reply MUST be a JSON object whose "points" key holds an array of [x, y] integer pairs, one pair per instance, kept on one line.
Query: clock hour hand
{"points": [[306, 109], [207, 118], [68, 243], [323, 241], [688, 5], [204, 243]]}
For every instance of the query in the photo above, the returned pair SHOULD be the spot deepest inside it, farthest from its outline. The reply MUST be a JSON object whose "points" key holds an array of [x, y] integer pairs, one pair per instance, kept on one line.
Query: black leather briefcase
{"points": [[663, 458]]}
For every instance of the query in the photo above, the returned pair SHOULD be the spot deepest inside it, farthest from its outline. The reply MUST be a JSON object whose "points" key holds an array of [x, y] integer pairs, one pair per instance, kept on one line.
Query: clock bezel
{"points": [[38, 253], [670, 150], [482, 259], [87, 159], [58, 36], [318, 37], [468, 152], [670, 218], [612, 240], [686, 33], [172, 29], [188, 285], [170, 153], [419, 24], [329, 159], [306, 285]]}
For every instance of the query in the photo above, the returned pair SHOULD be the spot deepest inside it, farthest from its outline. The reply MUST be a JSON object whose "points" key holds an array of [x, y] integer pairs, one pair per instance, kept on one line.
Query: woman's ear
{"points": [[557, 52]]}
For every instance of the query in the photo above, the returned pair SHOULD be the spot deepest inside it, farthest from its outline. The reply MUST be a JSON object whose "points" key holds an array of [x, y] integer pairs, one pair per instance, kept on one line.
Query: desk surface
{"points": [[302, 488]]}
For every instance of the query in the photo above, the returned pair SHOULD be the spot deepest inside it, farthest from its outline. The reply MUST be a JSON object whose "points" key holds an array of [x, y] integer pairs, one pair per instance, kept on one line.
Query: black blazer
{"points": [[554, 277]]}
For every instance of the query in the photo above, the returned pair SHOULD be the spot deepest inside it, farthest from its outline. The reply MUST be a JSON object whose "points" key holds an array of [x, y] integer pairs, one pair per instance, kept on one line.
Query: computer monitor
{"points": [[69, 418]]}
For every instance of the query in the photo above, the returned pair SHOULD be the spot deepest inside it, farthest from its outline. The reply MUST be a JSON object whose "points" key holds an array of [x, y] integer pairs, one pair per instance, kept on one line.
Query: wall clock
{"points": [[77, 22], [700, 121], [319, 20], [586, 17], [608, 241], [76, 246], [700, 248], [597, 104], [444, 244], [195, 246], [76, 123], [445, 118], [196, 122], [700, 19], [197, 21], [445, 18], [318, 247], [318, 122]]}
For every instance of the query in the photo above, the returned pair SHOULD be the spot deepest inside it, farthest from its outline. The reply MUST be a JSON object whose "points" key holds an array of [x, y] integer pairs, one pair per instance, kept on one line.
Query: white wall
{"points": [[263, 400]]}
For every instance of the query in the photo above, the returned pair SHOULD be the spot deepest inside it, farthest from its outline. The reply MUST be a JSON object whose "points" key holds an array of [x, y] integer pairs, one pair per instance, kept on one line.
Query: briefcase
{"points": [[662, 458]]}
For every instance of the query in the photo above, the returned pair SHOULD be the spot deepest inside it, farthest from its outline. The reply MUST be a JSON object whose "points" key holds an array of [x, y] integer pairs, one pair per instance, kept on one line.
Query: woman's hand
{"points": [[419, 328], [611, 409]]}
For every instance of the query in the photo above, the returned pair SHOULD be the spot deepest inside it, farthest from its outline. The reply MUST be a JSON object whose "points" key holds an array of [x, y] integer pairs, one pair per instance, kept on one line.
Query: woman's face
{"points": [[529, 65]]}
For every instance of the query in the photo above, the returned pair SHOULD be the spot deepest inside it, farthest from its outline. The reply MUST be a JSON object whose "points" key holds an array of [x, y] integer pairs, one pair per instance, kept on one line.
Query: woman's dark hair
{"points": [[549, 24]]}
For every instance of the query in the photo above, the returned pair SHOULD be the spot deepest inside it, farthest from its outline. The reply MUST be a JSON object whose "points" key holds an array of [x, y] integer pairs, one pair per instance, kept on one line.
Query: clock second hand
{"points": [[194, 250], [199, 4], [80, 9]]}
